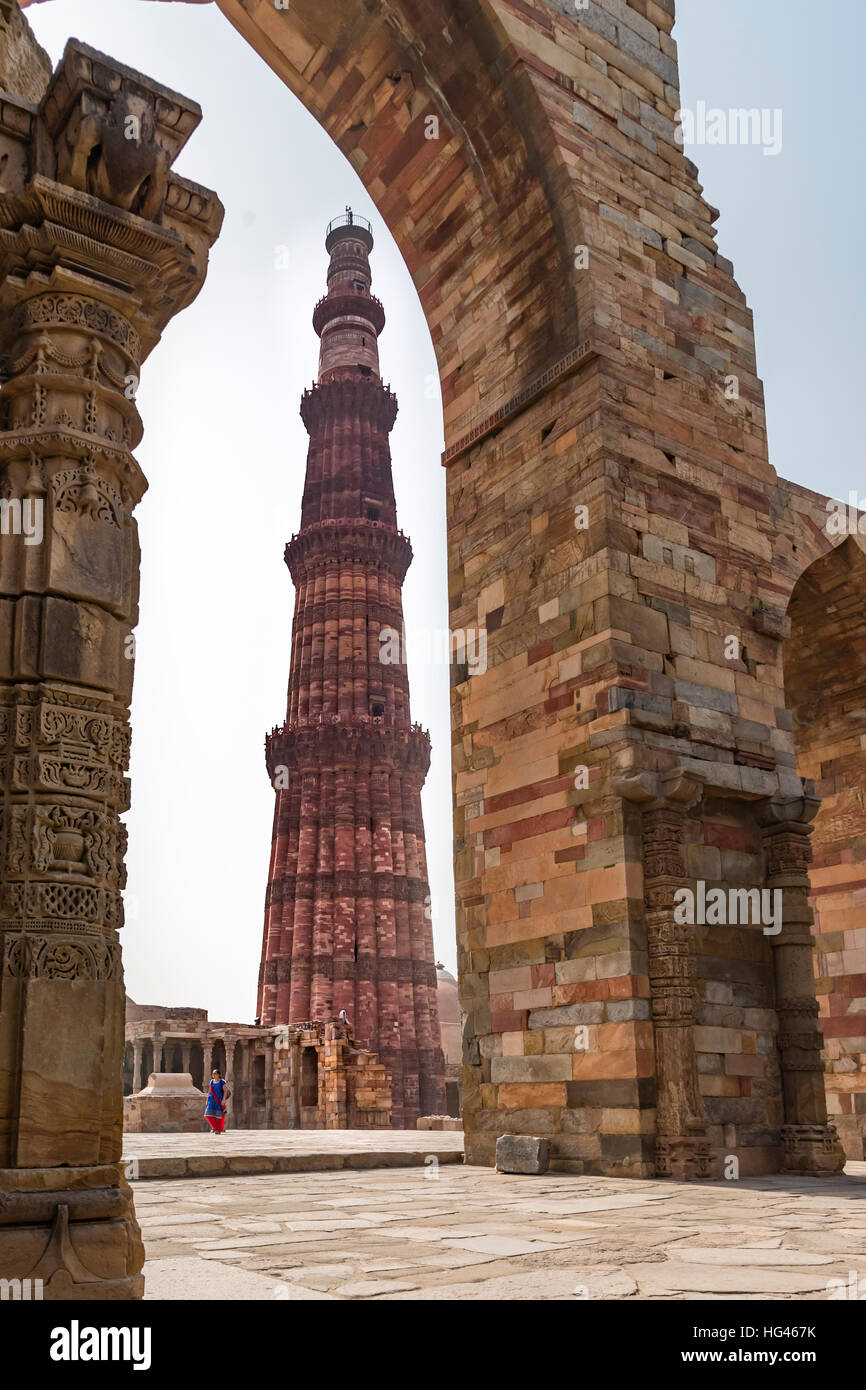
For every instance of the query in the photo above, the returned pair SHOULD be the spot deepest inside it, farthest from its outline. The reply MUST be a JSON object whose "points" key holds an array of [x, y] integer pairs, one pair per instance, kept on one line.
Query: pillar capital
{"points": [[787, 813], [677, 790]]}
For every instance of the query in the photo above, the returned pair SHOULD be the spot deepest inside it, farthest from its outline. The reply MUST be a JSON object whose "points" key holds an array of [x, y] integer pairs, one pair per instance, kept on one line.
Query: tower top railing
{"points": [[349, 219]]}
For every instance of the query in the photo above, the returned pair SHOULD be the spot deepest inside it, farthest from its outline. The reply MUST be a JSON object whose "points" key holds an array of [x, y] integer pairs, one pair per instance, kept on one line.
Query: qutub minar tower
{"points": [[347, 920]]}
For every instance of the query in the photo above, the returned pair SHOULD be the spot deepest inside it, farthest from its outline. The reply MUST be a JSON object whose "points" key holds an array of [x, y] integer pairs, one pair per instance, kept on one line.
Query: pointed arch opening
{"points": [[825, 685]]}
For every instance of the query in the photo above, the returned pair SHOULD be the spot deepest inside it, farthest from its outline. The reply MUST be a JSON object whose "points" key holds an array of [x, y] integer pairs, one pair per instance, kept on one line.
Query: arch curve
{"points": [[441, 120]]}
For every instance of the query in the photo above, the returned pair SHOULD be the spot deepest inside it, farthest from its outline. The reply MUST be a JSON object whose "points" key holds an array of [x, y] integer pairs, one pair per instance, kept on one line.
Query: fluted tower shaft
{"points": [[347, 915]]}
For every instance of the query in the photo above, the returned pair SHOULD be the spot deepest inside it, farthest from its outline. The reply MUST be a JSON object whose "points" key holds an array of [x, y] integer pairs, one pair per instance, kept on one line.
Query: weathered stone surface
{"points": [[522, 1153], [553, 1238]]}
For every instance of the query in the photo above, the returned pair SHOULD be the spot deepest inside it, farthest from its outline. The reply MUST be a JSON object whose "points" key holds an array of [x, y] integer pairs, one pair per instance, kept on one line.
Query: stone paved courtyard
{"points": [[450, 1232], [248, 1151]]}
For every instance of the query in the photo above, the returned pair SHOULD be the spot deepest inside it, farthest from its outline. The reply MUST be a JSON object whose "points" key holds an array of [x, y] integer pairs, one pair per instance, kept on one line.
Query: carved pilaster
{"points": [[809, 1143], [682, 1148], [100, 244]]}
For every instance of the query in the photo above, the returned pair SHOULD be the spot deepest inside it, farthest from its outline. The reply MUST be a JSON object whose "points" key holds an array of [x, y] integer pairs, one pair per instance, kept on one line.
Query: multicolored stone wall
{"points": [[826, 691], [736, 1023], [595, 352], [630, 552], [322, 1079]]}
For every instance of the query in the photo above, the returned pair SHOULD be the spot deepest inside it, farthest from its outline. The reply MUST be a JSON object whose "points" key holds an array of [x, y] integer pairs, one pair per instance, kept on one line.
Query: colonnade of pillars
{"points": [[235, 1057]]}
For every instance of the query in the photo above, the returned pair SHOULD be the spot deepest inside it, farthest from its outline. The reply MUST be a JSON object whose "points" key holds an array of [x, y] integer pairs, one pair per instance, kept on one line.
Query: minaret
{"points": [[347, 918]]}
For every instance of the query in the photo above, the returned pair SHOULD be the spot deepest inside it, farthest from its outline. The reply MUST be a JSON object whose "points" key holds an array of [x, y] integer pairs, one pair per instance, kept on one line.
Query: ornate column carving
{"points": [[682, 1147], [207, 1064], [809, 1143], [100, 245], [157, 1054], [185, 1047], [269, 1084], [230, 1041], [136, 1066]]}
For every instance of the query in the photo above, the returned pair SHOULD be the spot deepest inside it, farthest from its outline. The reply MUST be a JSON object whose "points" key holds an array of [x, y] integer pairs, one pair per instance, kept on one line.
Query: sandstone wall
{"points": [[25, 67]]}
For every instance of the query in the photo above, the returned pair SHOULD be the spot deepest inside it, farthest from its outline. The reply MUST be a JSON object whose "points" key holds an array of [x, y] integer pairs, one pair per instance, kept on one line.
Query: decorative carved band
{"points": [[578, 357], [81, 958], [343, 884], [349, 394], [64, 310], [375, 968], [364, 306], [367, 542], [314, 747]]}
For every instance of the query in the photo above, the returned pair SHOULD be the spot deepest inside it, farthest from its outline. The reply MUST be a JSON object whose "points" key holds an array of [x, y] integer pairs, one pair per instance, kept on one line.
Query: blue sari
{"points": [[215, 1095]]}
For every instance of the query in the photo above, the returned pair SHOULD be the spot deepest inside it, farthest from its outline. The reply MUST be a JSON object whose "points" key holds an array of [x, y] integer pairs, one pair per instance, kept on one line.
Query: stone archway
{"points": [[604, 486], [825, 686], [483, 212]]}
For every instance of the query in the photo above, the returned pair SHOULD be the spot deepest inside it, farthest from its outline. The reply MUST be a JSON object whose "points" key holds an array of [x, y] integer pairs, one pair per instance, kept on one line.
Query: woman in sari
{"points": [[217, 1096]]}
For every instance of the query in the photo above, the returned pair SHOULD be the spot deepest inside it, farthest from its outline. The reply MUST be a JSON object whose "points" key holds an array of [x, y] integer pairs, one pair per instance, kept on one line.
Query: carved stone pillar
{"points": [[137, 1082], [294, 1107], [809, 1143], [157, 1054], [230, 1057], [682, 1148], [207, 1064], [100, 244], [269, 1085], [185, 1049]]}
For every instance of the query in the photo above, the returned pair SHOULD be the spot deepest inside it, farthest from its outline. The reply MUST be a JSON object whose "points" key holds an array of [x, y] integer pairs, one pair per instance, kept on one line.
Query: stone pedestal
{"points": [[168, 1104]]}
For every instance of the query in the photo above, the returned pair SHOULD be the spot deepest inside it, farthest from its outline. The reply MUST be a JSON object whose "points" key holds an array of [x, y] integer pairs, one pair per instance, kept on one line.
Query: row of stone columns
{"points": [[157, 1045]]}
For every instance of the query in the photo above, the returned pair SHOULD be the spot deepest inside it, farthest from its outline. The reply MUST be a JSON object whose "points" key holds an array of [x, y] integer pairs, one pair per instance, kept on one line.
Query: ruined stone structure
{"points": [[451, 1026], [595, 352], [160, 1039], [324, 1080], [347, 924], [307, 1076]]}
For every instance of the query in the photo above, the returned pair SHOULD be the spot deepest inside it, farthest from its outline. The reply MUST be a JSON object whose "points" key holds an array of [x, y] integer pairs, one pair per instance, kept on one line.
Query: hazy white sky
{"points": [[224, 448]]}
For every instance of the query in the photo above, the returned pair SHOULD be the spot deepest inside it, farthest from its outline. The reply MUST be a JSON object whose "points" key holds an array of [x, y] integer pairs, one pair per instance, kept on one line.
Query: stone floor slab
{"points": [[473, 1234]]}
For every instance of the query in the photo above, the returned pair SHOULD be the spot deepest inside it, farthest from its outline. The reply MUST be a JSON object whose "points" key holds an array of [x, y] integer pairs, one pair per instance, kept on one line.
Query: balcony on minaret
{"points": [[349, 319]]}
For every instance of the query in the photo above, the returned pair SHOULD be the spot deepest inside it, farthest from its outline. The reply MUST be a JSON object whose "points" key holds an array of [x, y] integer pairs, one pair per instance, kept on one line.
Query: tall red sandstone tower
{"points": [[347, 923]]}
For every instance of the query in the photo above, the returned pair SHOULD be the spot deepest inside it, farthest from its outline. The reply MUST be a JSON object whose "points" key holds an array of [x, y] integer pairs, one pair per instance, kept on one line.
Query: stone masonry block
{"points": [[522, 1153]]}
